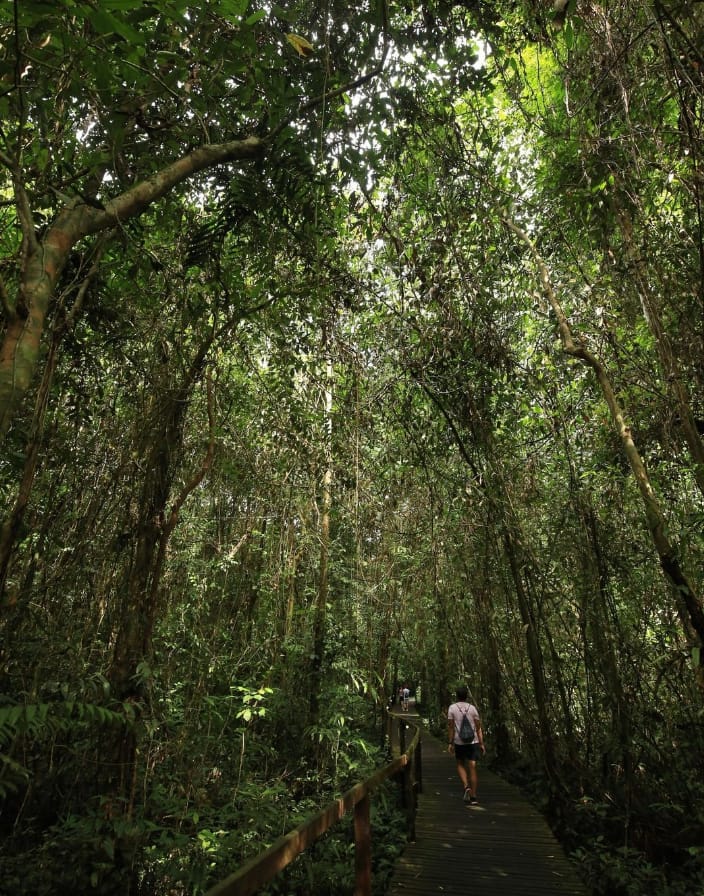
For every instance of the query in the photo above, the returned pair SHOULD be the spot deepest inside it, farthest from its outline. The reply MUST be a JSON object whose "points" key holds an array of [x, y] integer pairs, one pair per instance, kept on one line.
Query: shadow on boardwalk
{"points": [[502, 846]]}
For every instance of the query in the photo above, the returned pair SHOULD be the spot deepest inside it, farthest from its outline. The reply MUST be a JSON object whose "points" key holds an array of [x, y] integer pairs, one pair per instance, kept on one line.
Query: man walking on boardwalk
{"points": [[466, 742]]}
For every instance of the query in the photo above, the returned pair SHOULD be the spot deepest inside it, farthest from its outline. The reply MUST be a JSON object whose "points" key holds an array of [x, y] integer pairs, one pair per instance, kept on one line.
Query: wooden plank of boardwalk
{"points": [[502, 846]]}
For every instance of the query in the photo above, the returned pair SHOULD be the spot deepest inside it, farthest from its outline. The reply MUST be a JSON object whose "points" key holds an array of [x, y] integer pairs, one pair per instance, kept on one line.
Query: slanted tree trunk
{"points": [[672, 376], [684, 591], [598, 626], [13, 521]]}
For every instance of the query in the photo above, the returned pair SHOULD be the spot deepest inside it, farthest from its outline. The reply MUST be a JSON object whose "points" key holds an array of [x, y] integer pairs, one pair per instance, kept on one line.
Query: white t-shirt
{"points": [[455, 713]]}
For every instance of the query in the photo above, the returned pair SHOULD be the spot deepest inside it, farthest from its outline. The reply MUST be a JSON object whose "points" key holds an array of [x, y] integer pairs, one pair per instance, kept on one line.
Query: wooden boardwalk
{"points": [[502, 846]]}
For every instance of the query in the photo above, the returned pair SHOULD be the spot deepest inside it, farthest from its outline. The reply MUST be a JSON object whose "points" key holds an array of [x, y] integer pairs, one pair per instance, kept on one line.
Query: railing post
{"points": [[409, 800], [362, 848], [401, 736]]}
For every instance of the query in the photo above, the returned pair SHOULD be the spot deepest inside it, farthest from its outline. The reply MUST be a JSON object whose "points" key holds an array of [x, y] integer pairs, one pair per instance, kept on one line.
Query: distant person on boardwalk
{"points": [[406, 695], [467, 751]]}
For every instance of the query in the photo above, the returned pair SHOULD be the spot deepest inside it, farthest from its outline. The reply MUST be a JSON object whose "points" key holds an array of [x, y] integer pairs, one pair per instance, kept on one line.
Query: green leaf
{"points": [[105, 23], [256, 17], [568, 32]]}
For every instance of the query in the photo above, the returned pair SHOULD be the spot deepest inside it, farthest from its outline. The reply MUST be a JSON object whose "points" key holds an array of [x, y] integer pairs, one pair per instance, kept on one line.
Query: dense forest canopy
{"points": [[341, 347]]}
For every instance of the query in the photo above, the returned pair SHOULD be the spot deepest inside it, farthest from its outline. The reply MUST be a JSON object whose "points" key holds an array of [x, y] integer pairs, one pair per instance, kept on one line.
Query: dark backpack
{"points": [[466, 728]]}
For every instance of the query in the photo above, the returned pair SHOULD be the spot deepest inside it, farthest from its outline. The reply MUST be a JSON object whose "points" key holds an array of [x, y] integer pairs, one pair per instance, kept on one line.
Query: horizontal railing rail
{"points": [[259, 870]]}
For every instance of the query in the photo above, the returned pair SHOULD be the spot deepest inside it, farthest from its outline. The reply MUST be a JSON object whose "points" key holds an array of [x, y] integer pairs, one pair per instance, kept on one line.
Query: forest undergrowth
{"points": [[212, 796], [628, 841]]}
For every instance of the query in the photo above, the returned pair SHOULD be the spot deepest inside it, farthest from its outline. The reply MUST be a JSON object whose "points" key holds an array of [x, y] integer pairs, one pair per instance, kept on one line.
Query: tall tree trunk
{"points": [[602, 635], [535, 657], [495, 703], [290, 577], [321, 601], [156, 522], [161, 448]]}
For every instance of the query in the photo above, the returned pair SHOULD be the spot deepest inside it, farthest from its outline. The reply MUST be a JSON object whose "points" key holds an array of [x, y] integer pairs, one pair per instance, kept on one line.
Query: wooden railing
{"points": [[406, 766]]}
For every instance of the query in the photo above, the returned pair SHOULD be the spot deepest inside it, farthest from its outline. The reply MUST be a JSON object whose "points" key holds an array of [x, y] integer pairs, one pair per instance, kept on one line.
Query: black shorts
{"points": [[472, 752]]}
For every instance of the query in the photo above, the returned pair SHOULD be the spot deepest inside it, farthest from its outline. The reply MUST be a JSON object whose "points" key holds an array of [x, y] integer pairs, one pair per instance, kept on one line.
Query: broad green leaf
{"points": [[256, 17]]}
